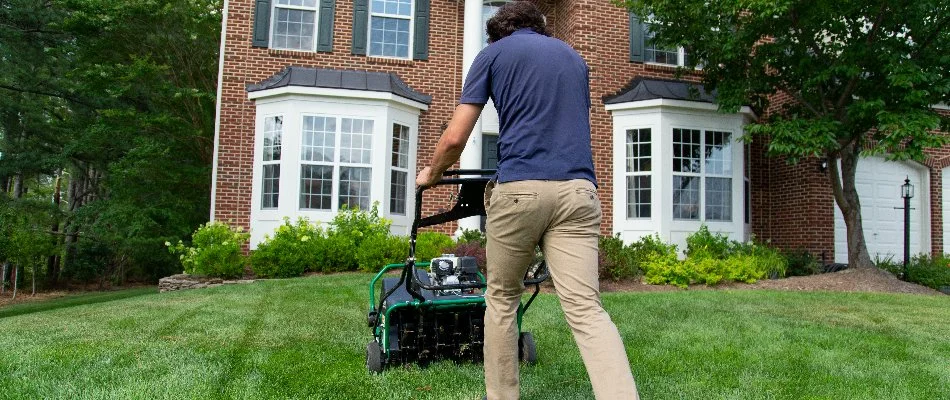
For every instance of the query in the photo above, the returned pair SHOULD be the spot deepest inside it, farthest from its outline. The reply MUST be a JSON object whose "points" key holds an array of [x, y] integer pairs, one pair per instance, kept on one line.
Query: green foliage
{"points": [[801, 263], [292, 250], [933, 272], [336, 253], [473, 235], [890, 265], [432, 244], [713, 259], [618, 261], [377, 251], [216, 250], [702, 244], [358, 224]]}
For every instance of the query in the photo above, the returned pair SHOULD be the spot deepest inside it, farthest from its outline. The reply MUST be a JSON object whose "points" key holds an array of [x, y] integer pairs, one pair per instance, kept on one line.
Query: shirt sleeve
{"points": [[477, 87]]}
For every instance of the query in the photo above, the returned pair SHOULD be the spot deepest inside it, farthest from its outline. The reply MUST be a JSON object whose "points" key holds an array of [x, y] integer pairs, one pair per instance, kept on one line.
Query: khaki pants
{"points": [[564, 218]]}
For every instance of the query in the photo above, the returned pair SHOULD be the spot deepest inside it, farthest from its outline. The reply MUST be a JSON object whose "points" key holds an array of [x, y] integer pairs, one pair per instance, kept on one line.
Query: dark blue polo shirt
{"points": [[540, 87]]}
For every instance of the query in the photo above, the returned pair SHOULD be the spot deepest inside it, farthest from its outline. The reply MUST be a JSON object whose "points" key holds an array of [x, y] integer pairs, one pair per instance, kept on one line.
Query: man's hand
{"points": [[426, 178]]}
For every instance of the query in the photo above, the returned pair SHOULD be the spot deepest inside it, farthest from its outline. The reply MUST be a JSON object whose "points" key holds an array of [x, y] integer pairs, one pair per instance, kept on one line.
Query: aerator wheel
{"points": [[528, 350], [374, 357]]}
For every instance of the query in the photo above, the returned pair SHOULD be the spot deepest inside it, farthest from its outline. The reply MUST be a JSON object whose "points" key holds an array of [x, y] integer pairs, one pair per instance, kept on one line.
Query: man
{"points": [[545, 195]]}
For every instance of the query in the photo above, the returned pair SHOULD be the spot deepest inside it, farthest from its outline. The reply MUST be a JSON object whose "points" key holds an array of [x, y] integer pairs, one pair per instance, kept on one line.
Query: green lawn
{"points": [[305, 338]]}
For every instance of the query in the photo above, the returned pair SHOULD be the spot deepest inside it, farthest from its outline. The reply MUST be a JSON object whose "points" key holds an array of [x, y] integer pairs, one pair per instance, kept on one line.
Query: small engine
{"points": [[448, 269]]}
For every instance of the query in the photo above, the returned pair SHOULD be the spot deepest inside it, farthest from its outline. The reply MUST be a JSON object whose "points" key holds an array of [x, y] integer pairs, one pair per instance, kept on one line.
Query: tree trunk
{"points": [[3, 278], [53, 261], [33, 279], [18, 186], [16, 269], [846, 196]]}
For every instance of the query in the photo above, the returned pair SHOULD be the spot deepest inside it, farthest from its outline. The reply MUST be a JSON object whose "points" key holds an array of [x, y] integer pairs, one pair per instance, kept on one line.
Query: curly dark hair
{"points": [[513, 16]]}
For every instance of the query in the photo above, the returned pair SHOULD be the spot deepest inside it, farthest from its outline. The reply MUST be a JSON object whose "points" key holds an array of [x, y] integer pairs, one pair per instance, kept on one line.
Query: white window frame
{"points": [[394, 167], [637, 172], [337, 163], [293, 103], [705, 174], [412, 27], [269, 134], [273, 29]]}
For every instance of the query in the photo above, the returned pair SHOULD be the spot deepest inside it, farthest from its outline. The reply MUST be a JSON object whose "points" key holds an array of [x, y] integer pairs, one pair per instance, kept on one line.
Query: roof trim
{"points": [[363, 81], [641, 88]]}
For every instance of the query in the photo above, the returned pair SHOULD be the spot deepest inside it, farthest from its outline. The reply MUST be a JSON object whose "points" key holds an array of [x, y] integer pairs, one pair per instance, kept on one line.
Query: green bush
{"points": [[618, 261], [432, 244], [933, 272], [292, 250], [703, 243], [801, 263], [358, 225], [336, 253], [473, 235], [713, 259], [378, 251], [216, 250]]}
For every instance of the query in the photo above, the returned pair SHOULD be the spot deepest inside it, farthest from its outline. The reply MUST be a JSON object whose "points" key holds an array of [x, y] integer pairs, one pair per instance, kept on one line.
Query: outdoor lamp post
{"points": [[907, 192]]}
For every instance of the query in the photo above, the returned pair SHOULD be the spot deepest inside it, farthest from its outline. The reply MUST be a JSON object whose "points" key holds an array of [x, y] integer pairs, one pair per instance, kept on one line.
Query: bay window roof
{"points": [[341, 79], [641, 89]]}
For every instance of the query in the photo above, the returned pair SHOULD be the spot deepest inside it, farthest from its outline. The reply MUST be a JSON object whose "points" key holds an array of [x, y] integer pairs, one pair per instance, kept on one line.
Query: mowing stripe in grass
{"points": [[73, 300]]}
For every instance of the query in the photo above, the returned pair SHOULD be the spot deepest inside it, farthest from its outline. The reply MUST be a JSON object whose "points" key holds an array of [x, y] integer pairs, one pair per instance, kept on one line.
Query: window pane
{"points": [[319, 139], [273, 129], [389, 37], [400, 157], [356, 141], [661, 55], [293, 29], [270, 188], [397, 192], [394, 7], [316, 185], [718, 153], [638, 150], [686, 150], [638, 196], [685, 197], [355, 187], [718, 199]]}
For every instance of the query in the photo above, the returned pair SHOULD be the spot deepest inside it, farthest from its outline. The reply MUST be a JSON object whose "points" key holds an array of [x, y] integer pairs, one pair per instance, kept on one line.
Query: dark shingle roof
{"points": [[641, 89], [340, 79]]}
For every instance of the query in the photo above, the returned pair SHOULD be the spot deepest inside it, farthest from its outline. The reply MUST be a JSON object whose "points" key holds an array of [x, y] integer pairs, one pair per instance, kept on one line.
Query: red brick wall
{"points": [[596, 28]]}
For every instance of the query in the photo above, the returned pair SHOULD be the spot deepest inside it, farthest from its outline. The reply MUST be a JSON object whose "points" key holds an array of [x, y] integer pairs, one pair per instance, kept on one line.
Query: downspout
{"points": [[217, 109]]}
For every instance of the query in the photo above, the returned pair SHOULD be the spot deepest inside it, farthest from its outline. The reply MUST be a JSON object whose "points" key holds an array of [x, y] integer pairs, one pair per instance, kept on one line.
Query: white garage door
{"points": [[878, 182]]}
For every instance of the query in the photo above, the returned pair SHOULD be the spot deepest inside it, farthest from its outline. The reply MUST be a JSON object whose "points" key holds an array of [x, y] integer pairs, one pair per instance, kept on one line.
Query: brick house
{"points": [[323, 103]]}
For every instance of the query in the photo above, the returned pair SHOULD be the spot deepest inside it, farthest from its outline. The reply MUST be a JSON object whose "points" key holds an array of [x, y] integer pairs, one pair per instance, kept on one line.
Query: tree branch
{"points": [[46, 93], [849, 89]]}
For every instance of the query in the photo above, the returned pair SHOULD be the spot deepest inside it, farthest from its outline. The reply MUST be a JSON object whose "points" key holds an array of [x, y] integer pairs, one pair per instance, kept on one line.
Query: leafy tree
{"points": [[862, 75], [116, 99]]}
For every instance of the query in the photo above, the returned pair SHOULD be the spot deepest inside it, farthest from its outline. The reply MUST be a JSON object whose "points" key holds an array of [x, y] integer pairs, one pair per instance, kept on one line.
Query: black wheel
{"points": [[374, 357], [528, 350]]}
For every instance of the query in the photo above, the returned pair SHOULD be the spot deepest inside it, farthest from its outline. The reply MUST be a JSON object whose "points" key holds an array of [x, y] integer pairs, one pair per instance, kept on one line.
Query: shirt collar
{"points": [[524, 31]]}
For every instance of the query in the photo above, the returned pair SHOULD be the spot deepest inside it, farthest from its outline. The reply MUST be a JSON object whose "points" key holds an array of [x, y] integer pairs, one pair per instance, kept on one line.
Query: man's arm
{"points": [[451, 144]]}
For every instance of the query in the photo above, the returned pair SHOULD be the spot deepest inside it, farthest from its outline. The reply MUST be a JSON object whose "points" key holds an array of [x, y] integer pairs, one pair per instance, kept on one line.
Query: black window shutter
{"points": [[261, 23], [636, 38], [325, 27], [360, 26], [421, 35]]}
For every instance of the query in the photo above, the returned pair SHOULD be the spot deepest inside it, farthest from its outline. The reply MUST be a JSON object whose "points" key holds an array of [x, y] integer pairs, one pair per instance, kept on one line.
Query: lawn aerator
{"points": [[424, 316]]}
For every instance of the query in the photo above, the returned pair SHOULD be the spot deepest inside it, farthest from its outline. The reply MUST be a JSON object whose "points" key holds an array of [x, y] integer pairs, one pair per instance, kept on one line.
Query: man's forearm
{"points": [[453, 140]]}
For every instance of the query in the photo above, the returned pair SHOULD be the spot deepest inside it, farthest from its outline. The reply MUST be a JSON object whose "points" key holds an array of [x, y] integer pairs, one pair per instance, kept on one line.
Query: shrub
{"points": [[801, 263], [933, 272], [473, 249], [703, 243], [216, 250], [618, 261], [712, 261], [378, 251], [291, 251], [667, 269], [357, 224], [336, 253], [473, 235], [432, 244]]}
